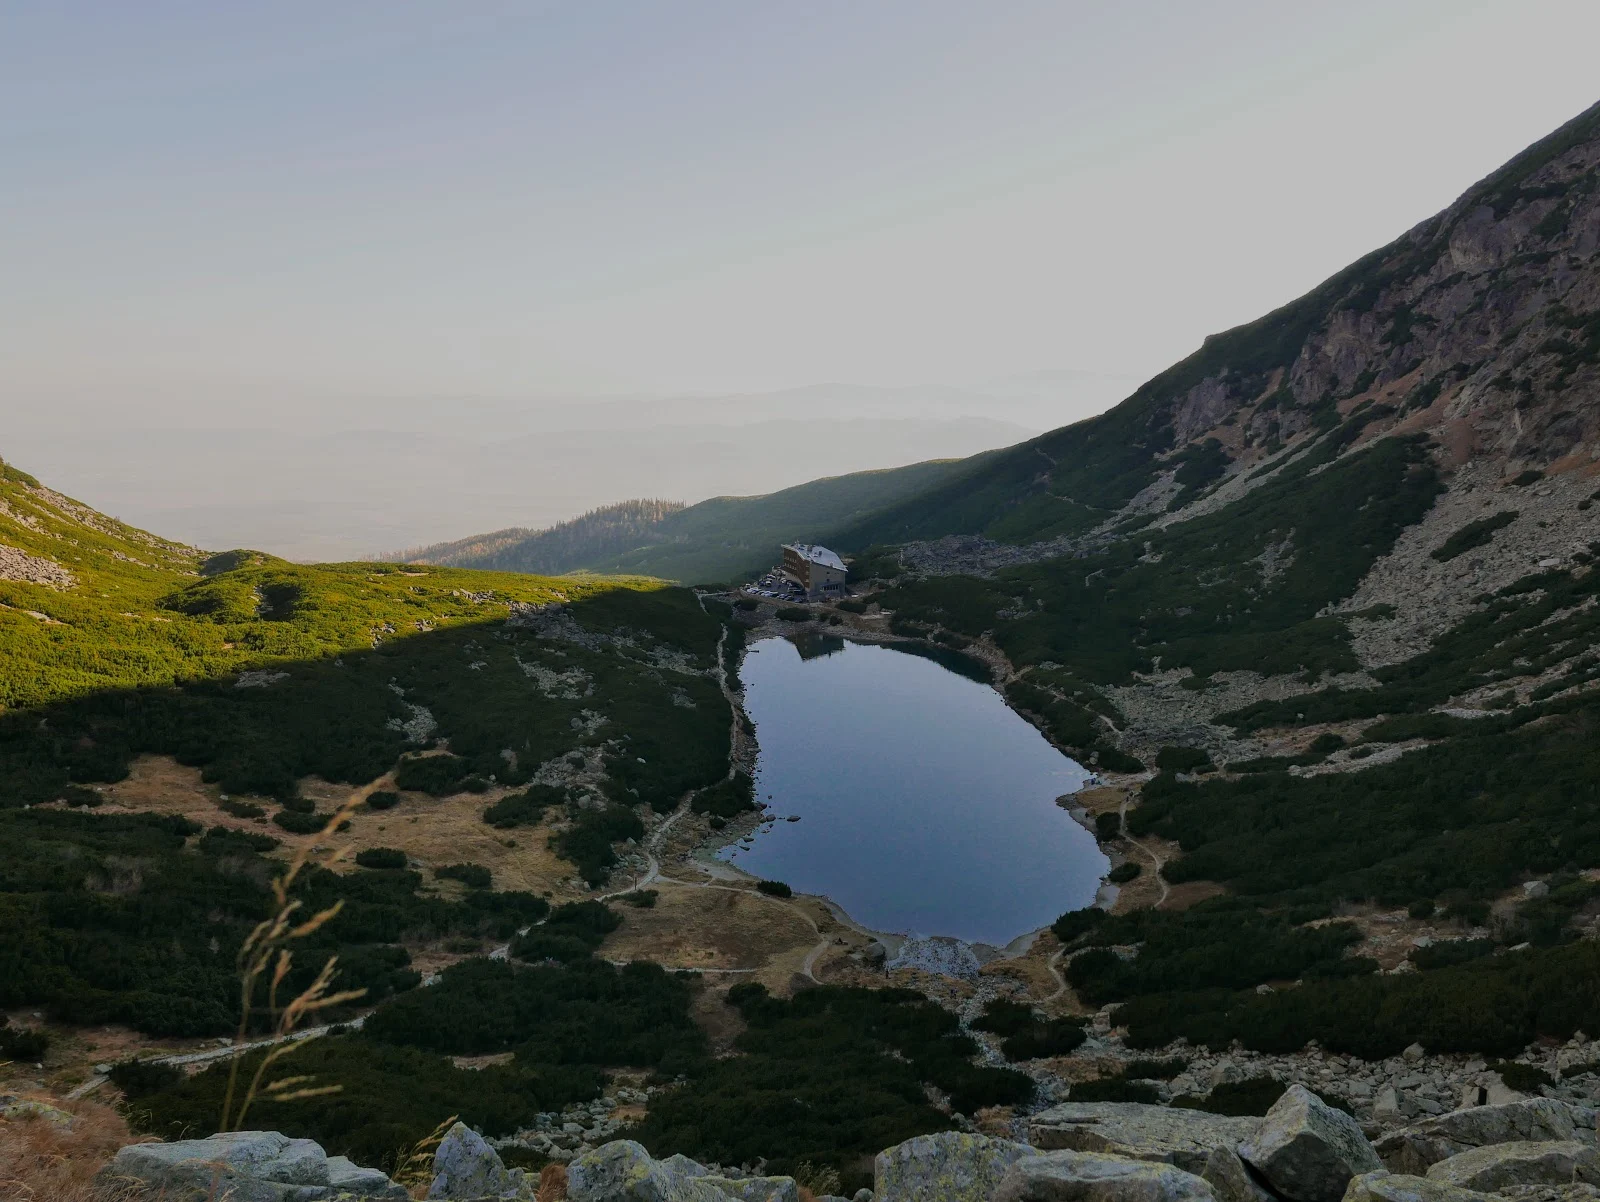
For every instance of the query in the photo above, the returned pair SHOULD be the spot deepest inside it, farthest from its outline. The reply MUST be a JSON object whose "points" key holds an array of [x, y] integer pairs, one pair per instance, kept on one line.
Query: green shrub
{"points": [[782, 1098], [21, 1043], [474, 876], [641, 899], [727, 798], [242, 809], [746, 604], [1108, 825], [1524, 1078], [220, 841], [1181, 759], [853, 607], [382, 799], [793, 613], [587, 843], [439, 775], [1523, 479], [1114, 1089], [1124, 872], [297, 823], [1155, 1070], [1473, 535], [137, 1078], [381, 857], [774, 889], [524, 809]]}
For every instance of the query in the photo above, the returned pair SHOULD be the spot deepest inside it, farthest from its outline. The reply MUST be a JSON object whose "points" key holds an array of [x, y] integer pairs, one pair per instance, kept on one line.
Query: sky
{"points": [[284, 215]]}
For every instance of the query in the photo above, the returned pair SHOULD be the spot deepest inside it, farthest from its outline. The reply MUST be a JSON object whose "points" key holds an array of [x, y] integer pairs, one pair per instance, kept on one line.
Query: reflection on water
{"points": [[926, 806]]}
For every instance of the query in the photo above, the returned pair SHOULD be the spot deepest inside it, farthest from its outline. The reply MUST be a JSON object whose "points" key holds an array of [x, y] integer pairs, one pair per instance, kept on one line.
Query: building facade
{"points": [[817, 571]]}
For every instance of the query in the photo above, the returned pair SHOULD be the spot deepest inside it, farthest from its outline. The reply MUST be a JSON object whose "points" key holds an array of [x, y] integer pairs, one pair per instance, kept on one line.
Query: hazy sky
{"points": [[222, 203]]}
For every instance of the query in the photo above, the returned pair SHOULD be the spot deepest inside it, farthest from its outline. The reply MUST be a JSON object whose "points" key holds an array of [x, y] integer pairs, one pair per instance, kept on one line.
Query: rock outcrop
{"points": [[1094, 1177], [1306, 1150], [1499, 1166], [623, 1171], [1413, 1149], [246, 1166], [950, 1166], [1177, 1136], [1384, 1186]]}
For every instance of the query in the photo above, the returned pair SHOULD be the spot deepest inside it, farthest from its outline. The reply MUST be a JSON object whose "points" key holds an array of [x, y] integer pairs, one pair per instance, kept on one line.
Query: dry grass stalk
{"points": [[552, 1183], [413, 1167], [266, 954]]}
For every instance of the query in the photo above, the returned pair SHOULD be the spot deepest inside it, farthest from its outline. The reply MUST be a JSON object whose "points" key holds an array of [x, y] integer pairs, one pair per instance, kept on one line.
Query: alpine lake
{"points": [[925, 806]]}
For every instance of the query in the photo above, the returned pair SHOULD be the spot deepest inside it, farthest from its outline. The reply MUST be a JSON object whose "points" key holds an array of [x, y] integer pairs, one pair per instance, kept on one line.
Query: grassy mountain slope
{"points": [[719, 539], [279, 683]]}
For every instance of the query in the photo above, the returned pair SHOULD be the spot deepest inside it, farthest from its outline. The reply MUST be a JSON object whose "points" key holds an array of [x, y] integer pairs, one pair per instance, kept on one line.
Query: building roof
{"points": [[815, 554]]}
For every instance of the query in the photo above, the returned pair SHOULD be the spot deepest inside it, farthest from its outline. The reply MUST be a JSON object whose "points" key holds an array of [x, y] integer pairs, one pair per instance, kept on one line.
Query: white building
{"points": [[817, 571]]}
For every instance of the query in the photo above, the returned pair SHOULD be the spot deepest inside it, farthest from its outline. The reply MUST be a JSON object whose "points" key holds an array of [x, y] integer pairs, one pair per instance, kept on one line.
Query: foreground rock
{"points": [[1232, 1180], [1095, 1177], [245, 1166], [1384, 1186], [949, 1166], [1500, 1166], [1185, 1138], [624, 1172], [1413, 1149], [466, 1167], [1306, 1150]]}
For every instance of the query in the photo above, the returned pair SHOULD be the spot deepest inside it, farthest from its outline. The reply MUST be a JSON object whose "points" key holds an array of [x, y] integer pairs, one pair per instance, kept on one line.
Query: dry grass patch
{"points": [[692, 927], [44, 1161]]}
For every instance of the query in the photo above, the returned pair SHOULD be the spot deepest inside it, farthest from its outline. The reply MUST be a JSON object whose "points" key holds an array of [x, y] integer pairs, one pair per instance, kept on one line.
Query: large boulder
{"points": [[948, 1167], [622, 1171], [1412, 1149], [1498, 1166], [1232, 1180], [1384, 1186], [466, 1167], [1174, 1135], [1306, 1150], [246, 1166], [1067, 1176], [755, 1189]]}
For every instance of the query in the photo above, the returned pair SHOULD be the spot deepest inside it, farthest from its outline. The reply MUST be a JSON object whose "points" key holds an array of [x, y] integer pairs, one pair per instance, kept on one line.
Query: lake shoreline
{"points": [[924, 730]]}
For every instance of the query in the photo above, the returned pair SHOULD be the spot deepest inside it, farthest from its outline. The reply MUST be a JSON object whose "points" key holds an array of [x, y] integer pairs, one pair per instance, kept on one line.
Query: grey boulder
{"points": [[1412, 1149], [1067, 1176], [1306, 1150], [948, 1167], [755, 1189], [1497, 1166], [622, 1171], [1231, 1179], [247, 1166], [466, 1167], [1384, 1186], [1174, 1135]]}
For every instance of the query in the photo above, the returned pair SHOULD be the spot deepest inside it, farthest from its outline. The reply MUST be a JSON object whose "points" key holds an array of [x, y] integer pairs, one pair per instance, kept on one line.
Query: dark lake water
{"points": [[926, 806]]}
